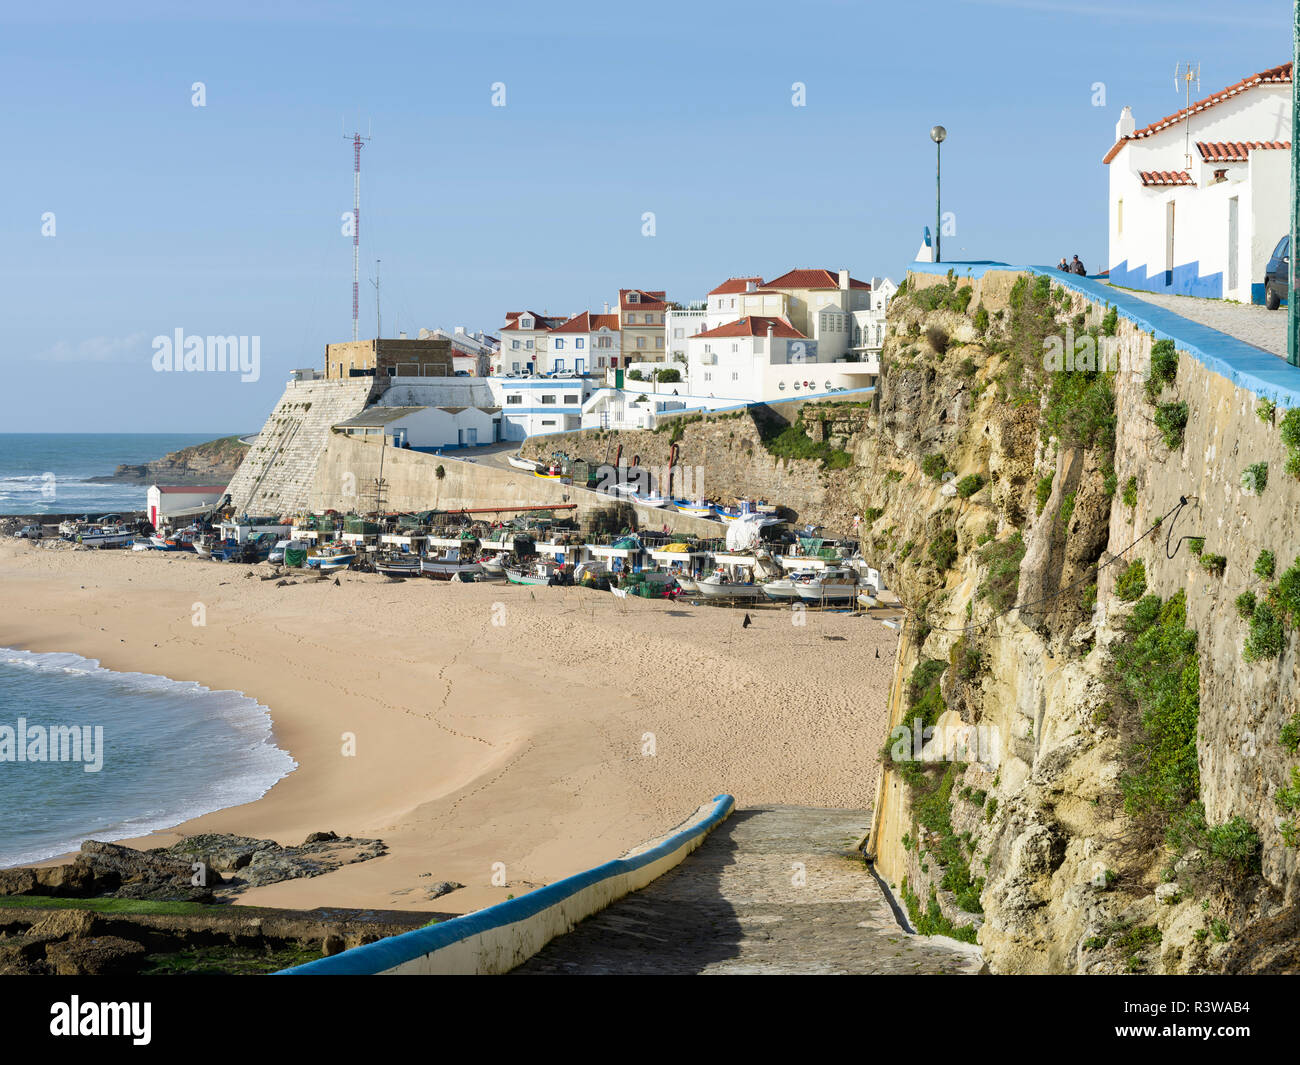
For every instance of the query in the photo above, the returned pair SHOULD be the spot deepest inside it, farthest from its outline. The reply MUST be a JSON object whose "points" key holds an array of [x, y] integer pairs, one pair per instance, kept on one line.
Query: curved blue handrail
{"points": [[373, 958]]}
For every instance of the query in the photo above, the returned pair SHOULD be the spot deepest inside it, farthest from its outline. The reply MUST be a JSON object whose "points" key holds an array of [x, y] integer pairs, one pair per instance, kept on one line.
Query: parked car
{"points": [[1277, 276], [31, 532]]}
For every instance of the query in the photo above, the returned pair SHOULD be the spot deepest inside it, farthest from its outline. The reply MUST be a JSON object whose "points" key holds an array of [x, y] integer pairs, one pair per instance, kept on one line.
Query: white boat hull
{"points": [[729, 590]]}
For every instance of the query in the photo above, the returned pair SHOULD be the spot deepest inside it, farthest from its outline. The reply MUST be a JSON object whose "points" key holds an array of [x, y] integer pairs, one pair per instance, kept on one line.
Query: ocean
{"points": [[153, 752], [45, 473]]}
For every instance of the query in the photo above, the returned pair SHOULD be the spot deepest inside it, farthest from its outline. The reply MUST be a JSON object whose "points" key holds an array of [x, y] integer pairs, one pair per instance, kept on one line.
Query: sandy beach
{"points": [[493, 723]]}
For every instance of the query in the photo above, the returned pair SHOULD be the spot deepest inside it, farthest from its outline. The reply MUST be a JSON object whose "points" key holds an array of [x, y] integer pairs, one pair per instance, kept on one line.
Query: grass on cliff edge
{"points": [[138, 907]]}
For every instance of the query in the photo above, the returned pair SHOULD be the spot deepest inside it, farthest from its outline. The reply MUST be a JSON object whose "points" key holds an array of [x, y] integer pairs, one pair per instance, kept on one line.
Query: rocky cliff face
{"points": [[212, 463], [1113, 783]]}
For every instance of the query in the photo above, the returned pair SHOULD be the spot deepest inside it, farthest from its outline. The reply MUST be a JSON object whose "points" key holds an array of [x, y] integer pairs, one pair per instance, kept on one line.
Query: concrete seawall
{"points": [[348, 468]]}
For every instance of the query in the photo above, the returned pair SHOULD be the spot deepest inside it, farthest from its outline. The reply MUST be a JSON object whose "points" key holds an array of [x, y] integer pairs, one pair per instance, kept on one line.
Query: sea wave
{"points": [[244, 768]]}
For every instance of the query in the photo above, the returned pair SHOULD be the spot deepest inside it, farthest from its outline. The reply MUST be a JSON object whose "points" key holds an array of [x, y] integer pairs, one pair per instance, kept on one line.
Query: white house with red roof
{"points": [[764, 357], [524, 342], [1200, 198], [586, 343], [723, 304]]}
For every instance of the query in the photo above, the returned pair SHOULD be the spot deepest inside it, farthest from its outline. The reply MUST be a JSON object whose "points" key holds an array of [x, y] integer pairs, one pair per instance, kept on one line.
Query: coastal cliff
{"points": [[1110, 784], [214, 462]]}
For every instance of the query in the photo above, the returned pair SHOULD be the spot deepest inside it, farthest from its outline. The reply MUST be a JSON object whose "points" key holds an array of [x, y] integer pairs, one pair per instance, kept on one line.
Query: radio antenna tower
{"points": [[357, 140], [1186, 73]]}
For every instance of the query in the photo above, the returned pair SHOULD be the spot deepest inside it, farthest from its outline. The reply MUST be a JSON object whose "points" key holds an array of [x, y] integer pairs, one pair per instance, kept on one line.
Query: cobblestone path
{"points": [[770, 891], [1245, 321]]}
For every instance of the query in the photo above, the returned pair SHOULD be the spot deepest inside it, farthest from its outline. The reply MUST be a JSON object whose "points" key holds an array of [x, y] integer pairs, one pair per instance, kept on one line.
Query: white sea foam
{"points": [[219, 752]]}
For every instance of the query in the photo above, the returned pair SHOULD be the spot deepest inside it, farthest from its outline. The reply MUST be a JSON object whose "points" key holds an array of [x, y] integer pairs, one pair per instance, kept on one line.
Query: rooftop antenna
{"points": [[379, 326], [357, 140], [1184, 75]]}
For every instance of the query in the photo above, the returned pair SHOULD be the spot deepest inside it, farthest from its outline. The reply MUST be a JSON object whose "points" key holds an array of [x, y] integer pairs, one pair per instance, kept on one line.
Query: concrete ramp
{"points": [[774, 889]]}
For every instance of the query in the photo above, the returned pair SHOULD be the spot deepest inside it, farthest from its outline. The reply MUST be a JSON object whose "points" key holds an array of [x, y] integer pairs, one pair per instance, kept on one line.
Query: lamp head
{"points": [[938, 134]]}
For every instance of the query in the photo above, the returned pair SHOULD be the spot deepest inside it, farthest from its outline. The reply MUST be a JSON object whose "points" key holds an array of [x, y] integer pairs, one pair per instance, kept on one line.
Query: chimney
{"points": [[460, 330], [750, 286], [771, 329], [607, 306], [844, 281], [401, 336], [1125, 126]]}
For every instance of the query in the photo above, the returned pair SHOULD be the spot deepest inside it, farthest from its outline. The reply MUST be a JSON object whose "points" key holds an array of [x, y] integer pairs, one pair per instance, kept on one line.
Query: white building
{"points": [[524, 342], [1200, 198], [165, 501], [426, 428], [680, 326], [723, 303], [586, 343], [763, 358]]}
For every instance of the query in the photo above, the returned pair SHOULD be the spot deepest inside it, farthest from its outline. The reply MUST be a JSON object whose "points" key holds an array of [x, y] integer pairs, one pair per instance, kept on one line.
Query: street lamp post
{"points": [[937, 134]]}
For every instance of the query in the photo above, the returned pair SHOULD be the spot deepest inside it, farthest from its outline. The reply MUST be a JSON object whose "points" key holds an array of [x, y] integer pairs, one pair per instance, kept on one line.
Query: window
{"points": [[634, 297], [631, 318], [708, 377], [559, 366], [601, 362], [604, 342], [679, 333], [528, 344], [640, 342], [548, 400], [514, 344], [659, 343], [515, 399], [735, 348], [580, 343], [525, 323], [735, 376], [708, 348], [559, 343], [515, 367], [572, 399]]}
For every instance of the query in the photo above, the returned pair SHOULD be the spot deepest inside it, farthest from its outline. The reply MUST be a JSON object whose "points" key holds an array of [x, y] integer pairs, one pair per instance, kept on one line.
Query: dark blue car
{"points": [[1277, 276]]}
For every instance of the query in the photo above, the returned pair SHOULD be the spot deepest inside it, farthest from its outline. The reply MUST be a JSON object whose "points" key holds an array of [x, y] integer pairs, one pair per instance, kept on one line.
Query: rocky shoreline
{"points": [[114, 909]]}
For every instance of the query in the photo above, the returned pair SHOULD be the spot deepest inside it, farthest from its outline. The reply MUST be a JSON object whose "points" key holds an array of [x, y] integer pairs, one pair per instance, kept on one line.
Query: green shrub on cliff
{"points": [[934, 465], [1002, 581], [1131, 585], [1289, 736], [1043, 492], [1130, 496], [969, 485], [1265, 565], [1171, 420], [1267, 635], [943, 549], [1245, 604], [1164, 368], [1254, 478], [925, 700], [1110, 322], [1158, 670]]}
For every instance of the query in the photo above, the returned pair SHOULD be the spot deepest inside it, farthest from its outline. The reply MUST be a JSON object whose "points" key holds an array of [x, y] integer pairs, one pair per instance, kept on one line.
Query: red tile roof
{"points": [[1166, 177], [1234, 151], [539, 321], [755, 326], [190, 489], [736, 284], [586, 322], [813, 279], [649, 299], [1279, 75]]}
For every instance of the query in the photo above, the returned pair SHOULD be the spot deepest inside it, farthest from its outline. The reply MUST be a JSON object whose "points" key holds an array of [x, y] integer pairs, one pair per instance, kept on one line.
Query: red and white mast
{"points": [[356, 227]]}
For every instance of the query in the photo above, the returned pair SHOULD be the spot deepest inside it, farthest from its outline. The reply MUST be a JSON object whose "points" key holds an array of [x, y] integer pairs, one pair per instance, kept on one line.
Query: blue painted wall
{"points": [[1184, 280]]}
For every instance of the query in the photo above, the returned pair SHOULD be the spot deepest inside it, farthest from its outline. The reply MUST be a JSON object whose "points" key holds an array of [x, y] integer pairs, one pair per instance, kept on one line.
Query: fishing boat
{"points": [[520, 463], [689, 585], [106, 536], [449, 566], [787, 588], [203, 546], [330, 557], [653, 499], [399, 564], [698, 509], [493, 568], [719, 586], [535, 573], [835, 584]]}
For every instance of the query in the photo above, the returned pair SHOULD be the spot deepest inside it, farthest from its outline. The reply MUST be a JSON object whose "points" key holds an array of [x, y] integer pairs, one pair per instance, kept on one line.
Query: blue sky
{"points": [[225, 219]]}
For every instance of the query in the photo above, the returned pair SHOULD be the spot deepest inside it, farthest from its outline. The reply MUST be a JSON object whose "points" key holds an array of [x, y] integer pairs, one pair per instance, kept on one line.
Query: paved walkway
{"points": [[1245, 321], [770, 891]]}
